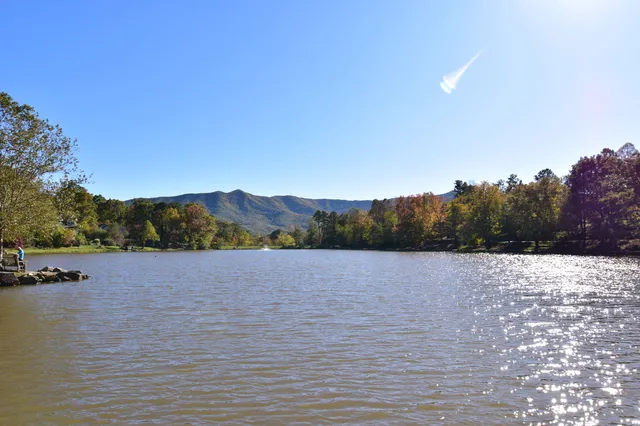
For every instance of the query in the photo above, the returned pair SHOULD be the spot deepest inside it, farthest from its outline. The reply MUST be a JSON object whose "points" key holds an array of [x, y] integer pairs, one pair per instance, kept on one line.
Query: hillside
{"points": [[265, 214]]}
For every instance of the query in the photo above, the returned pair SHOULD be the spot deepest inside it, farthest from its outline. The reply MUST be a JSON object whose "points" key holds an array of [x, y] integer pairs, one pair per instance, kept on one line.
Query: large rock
{"points": [[50, 274], [70, 276], [48, 277], [28, 279], [75, 275], [8, 279]]}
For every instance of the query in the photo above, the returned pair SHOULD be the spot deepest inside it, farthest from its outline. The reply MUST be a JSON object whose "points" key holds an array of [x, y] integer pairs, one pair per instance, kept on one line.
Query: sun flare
{"points": [[586, 9]]}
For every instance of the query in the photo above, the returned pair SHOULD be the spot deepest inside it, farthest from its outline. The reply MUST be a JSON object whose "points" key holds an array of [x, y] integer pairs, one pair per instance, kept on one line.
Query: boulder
{"points": [[74, 275], [70, 276], [59, 270], [47, 269], [8, 279], [48, 277], [28, 279]]}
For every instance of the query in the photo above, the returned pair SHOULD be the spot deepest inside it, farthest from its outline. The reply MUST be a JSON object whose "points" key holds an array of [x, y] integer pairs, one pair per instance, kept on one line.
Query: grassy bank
{"points": [[31, 251], [630, 248], [246, 247], [627, 248], [521, 247]]}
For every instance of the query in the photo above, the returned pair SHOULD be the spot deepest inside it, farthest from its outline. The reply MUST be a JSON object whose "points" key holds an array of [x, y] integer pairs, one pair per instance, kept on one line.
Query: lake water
{"points": [[324, 337]]}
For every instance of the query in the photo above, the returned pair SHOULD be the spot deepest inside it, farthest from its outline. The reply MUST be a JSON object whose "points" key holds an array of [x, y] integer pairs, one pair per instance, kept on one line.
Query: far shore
{"points": [[34, 251], [502, 247]]}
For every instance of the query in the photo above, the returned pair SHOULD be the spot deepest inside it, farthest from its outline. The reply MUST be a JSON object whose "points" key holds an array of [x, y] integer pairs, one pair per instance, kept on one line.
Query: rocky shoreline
{"points": [[46, 275]]}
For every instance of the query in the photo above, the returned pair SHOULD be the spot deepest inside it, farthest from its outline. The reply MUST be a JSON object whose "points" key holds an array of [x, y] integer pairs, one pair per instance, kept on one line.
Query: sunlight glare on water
{"points": [[576, 324]]}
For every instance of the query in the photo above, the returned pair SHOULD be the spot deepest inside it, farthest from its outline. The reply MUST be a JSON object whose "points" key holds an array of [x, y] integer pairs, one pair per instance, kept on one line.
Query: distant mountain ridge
{"points": [[261, 214]]}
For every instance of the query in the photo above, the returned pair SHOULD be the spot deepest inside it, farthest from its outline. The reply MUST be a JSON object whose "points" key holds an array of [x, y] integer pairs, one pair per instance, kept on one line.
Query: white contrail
{"points": [[450, 81]]}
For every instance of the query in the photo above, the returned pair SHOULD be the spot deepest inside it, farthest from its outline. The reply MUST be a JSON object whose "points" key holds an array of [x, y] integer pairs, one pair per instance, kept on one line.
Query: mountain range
{"points": [[262, 215]]}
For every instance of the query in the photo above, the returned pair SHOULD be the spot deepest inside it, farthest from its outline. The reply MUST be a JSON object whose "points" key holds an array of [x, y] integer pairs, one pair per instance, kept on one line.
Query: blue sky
{"points": [[324, 99]]}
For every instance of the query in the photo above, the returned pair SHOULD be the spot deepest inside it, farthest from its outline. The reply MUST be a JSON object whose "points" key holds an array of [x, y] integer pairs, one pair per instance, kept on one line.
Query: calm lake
{"points": [[324, 337]]}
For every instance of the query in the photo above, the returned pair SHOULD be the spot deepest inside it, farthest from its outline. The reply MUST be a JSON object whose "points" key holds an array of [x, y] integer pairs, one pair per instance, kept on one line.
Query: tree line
{"points": [[596, 207], [83, 218], [43, 203], [97, 220]]}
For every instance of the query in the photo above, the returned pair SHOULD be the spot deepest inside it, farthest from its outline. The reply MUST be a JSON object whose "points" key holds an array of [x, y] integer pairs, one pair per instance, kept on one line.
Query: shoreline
{"points": [[498, 248], [545, 248], [114, 249]]}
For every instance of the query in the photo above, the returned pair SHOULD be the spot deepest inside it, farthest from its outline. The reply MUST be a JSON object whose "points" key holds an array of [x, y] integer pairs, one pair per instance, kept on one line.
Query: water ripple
{"points": [[324, 337]]}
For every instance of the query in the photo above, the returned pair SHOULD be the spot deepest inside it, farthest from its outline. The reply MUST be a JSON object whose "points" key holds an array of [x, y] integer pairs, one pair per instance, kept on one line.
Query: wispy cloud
{"points": [[450, 81]]}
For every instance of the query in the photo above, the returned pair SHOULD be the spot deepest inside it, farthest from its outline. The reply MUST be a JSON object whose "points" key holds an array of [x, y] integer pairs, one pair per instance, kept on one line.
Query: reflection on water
{"points": [[324, 337]]}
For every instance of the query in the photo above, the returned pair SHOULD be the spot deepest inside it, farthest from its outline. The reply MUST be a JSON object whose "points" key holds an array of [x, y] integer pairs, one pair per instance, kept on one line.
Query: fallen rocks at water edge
{"points": [[46, 275]]}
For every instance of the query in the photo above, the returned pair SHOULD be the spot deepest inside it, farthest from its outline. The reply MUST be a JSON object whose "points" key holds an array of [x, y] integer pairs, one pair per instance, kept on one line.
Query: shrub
{"points": [[62, 237], [80, 240]]}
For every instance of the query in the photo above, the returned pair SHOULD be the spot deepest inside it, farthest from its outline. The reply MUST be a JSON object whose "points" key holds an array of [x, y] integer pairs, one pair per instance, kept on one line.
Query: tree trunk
{"points": [[1, 244], [537, 246]]}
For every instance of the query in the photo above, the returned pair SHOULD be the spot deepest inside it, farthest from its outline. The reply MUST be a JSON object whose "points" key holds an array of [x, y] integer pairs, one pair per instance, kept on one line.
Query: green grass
{"points": [[30, 251], [246, 247], [79, 250], [239, 247]]}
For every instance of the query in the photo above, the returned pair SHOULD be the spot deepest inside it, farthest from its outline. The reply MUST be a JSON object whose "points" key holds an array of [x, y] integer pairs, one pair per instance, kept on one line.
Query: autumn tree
{"points": [[75, 204], [116, 235], [148, 234], [457, 210], [546, 198], [35, 158], [37, 217], [173, 226], [285, 240], [357, 228], [297, 235], [410, 229], [139, 211], [420, 218], [110, 211], [384, 222], [602, 200], [243, 238], [199, 226], [533, 210], [485, 211]]}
